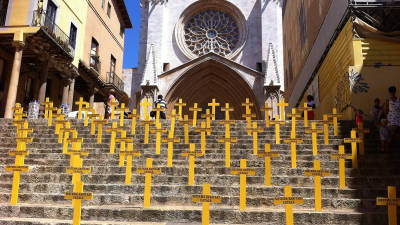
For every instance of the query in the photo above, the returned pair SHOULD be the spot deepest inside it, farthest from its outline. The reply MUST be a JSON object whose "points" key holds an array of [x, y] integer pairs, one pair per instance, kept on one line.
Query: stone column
{"points": [[13, 85], [71, 93], [65, 93], [43, 81], [91, 98]]}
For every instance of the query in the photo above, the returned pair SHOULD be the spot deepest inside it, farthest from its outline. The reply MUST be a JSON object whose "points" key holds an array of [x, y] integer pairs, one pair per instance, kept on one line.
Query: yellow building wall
{"points": [[19, 12]]}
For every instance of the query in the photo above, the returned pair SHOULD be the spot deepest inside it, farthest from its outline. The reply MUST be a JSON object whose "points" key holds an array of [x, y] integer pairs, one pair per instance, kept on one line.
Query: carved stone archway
{"points": [[208, 80]]}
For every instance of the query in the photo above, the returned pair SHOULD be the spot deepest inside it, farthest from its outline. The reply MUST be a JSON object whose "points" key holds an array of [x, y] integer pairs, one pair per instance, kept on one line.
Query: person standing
{"points": [[311, 104], [392, 111], [163, 104]]}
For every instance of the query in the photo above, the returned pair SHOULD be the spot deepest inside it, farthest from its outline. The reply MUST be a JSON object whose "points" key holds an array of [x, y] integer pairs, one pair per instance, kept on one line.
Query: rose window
{"points": [[211, 31]]}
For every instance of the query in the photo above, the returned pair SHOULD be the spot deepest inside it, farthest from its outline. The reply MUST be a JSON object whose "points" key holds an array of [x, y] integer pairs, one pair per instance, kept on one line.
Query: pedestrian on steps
{"points": [[392, 111], [163, 104]]}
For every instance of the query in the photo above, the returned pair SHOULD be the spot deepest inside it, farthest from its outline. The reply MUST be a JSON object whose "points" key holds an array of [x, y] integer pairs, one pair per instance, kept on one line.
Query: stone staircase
{"points": [[41, 194]]}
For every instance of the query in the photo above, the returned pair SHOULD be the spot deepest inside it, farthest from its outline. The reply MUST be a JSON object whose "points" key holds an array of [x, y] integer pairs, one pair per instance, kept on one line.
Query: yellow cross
{"points": [[195, 111], [314, 132], [243, 172], [227, 140], [80, 104], [147, 124], [288, 201], [134, 116], [87, 110], [77, 196], [248, 114], [45, 103], [180, 105], [122, 111], [185, 122], [50, 110], [67, 131], [353, 140], [294, 115], [122, 140], [92, 118], [206, 198], [335, 116], [317, 173], [213, 105], [145, 104], [282, 104], [277, 124], [192, 154], [326, 123], [361, 133], [18, 123], [75, 157], [60, 122], [100, 122], [129, 158], [266, 109], [113, 130], [113, 104], [341, 156], [64, 132], [148, 171], [170, 140], [305, 110], [227, 110], [158, 130], [158, 111], [173, 118], [293, 142], [267, 155], [254, 131], [392, 202], [208, 117], [203, 131]]}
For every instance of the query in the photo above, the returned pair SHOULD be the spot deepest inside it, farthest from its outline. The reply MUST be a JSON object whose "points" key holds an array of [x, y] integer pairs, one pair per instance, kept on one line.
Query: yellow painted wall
{"points": [[19, 13]]}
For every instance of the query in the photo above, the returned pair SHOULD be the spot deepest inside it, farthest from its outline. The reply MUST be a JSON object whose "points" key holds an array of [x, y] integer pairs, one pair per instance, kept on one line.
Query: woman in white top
{"points": [[392, 110]]}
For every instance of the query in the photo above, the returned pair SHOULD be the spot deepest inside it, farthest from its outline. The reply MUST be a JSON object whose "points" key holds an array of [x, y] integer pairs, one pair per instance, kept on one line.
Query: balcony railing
{"points": [[113, 79], [3, 17], [41, 19], [95, 62]]}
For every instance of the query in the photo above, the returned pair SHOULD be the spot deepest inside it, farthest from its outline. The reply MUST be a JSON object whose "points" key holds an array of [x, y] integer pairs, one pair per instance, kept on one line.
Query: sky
{"points": [[132, 35]]}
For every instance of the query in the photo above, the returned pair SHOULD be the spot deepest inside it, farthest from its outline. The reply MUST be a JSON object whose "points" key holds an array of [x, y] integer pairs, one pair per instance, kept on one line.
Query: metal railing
{"points": [[41, 19], [94, 61], [113, 79], [3, 17]]}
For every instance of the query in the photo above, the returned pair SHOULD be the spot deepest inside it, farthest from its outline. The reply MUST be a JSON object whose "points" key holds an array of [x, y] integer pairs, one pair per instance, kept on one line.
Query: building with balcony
{"points": [[344, 53], [47, 49]]}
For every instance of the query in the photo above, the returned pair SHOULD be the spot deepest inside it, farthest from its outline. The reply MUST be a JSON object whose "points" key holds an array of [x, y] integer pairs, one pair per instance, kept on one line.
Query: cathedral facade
{"points": [[205, 49]]}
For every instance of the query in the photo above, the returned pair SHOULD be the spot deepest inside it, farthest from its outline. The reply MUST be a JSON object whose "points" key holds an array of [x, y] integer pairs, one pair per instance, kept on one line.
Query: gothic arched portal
{"points": [[209, 80]]}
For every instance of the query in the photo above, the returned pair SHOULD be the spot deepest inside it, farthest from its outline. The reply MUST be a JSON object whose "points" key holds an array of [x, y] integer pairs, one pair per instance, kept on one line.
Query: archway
{"points": [[208, 80]]}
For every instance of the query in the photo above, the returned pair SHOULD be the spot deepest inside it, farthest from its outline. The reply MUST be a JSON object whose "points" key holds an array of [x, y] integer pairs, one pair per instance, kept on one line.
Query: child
{"points": [[376, 112], [384, 134], [311, 104], [359, 117]]}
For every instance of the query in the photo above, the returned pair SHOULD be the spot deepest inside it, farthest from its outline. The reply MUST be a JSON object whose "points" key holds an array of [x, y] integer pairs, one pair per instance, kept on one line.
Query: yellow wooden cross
{"points": [[77, 196], [203, 131], [325, 122], [158, 111], [100, 122], [64, 132], [335, 116], [180, 105], [18, 112], [227, 110], [267, 155], [341, 156], [129, 153], [148, 171], [133, 116], [60, 122], [67, 132], [87, 110], [294, 115], [50, 110], [18, 123], [282, 104], [314, 132], [145, 104], [288, 201], [80, 104], [113, 105], [208, 117], [277, 124], [227, 140], [206, 198], [22, 132], [248, 120], [213, 105], [92, 118], [305, 109], [170, 140], [158, 130], [123, 141], [46, 103], [75, 157], [122, 111], [147, 124], [248, 114], [293, 143], [266, 110], [113, 130], [254, 131], [243, 172], [317, 173], [192, 154], [392, 202], [361, 133], [173, 118], [185, 122], [353, 140], [195, 111]]}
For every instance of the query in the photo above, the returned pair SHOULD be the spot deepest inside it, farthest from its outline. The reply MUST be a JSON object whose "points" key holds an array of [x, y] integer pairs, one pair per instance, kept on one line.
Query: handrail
{"points": [[41, 19], [113, 79]]}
